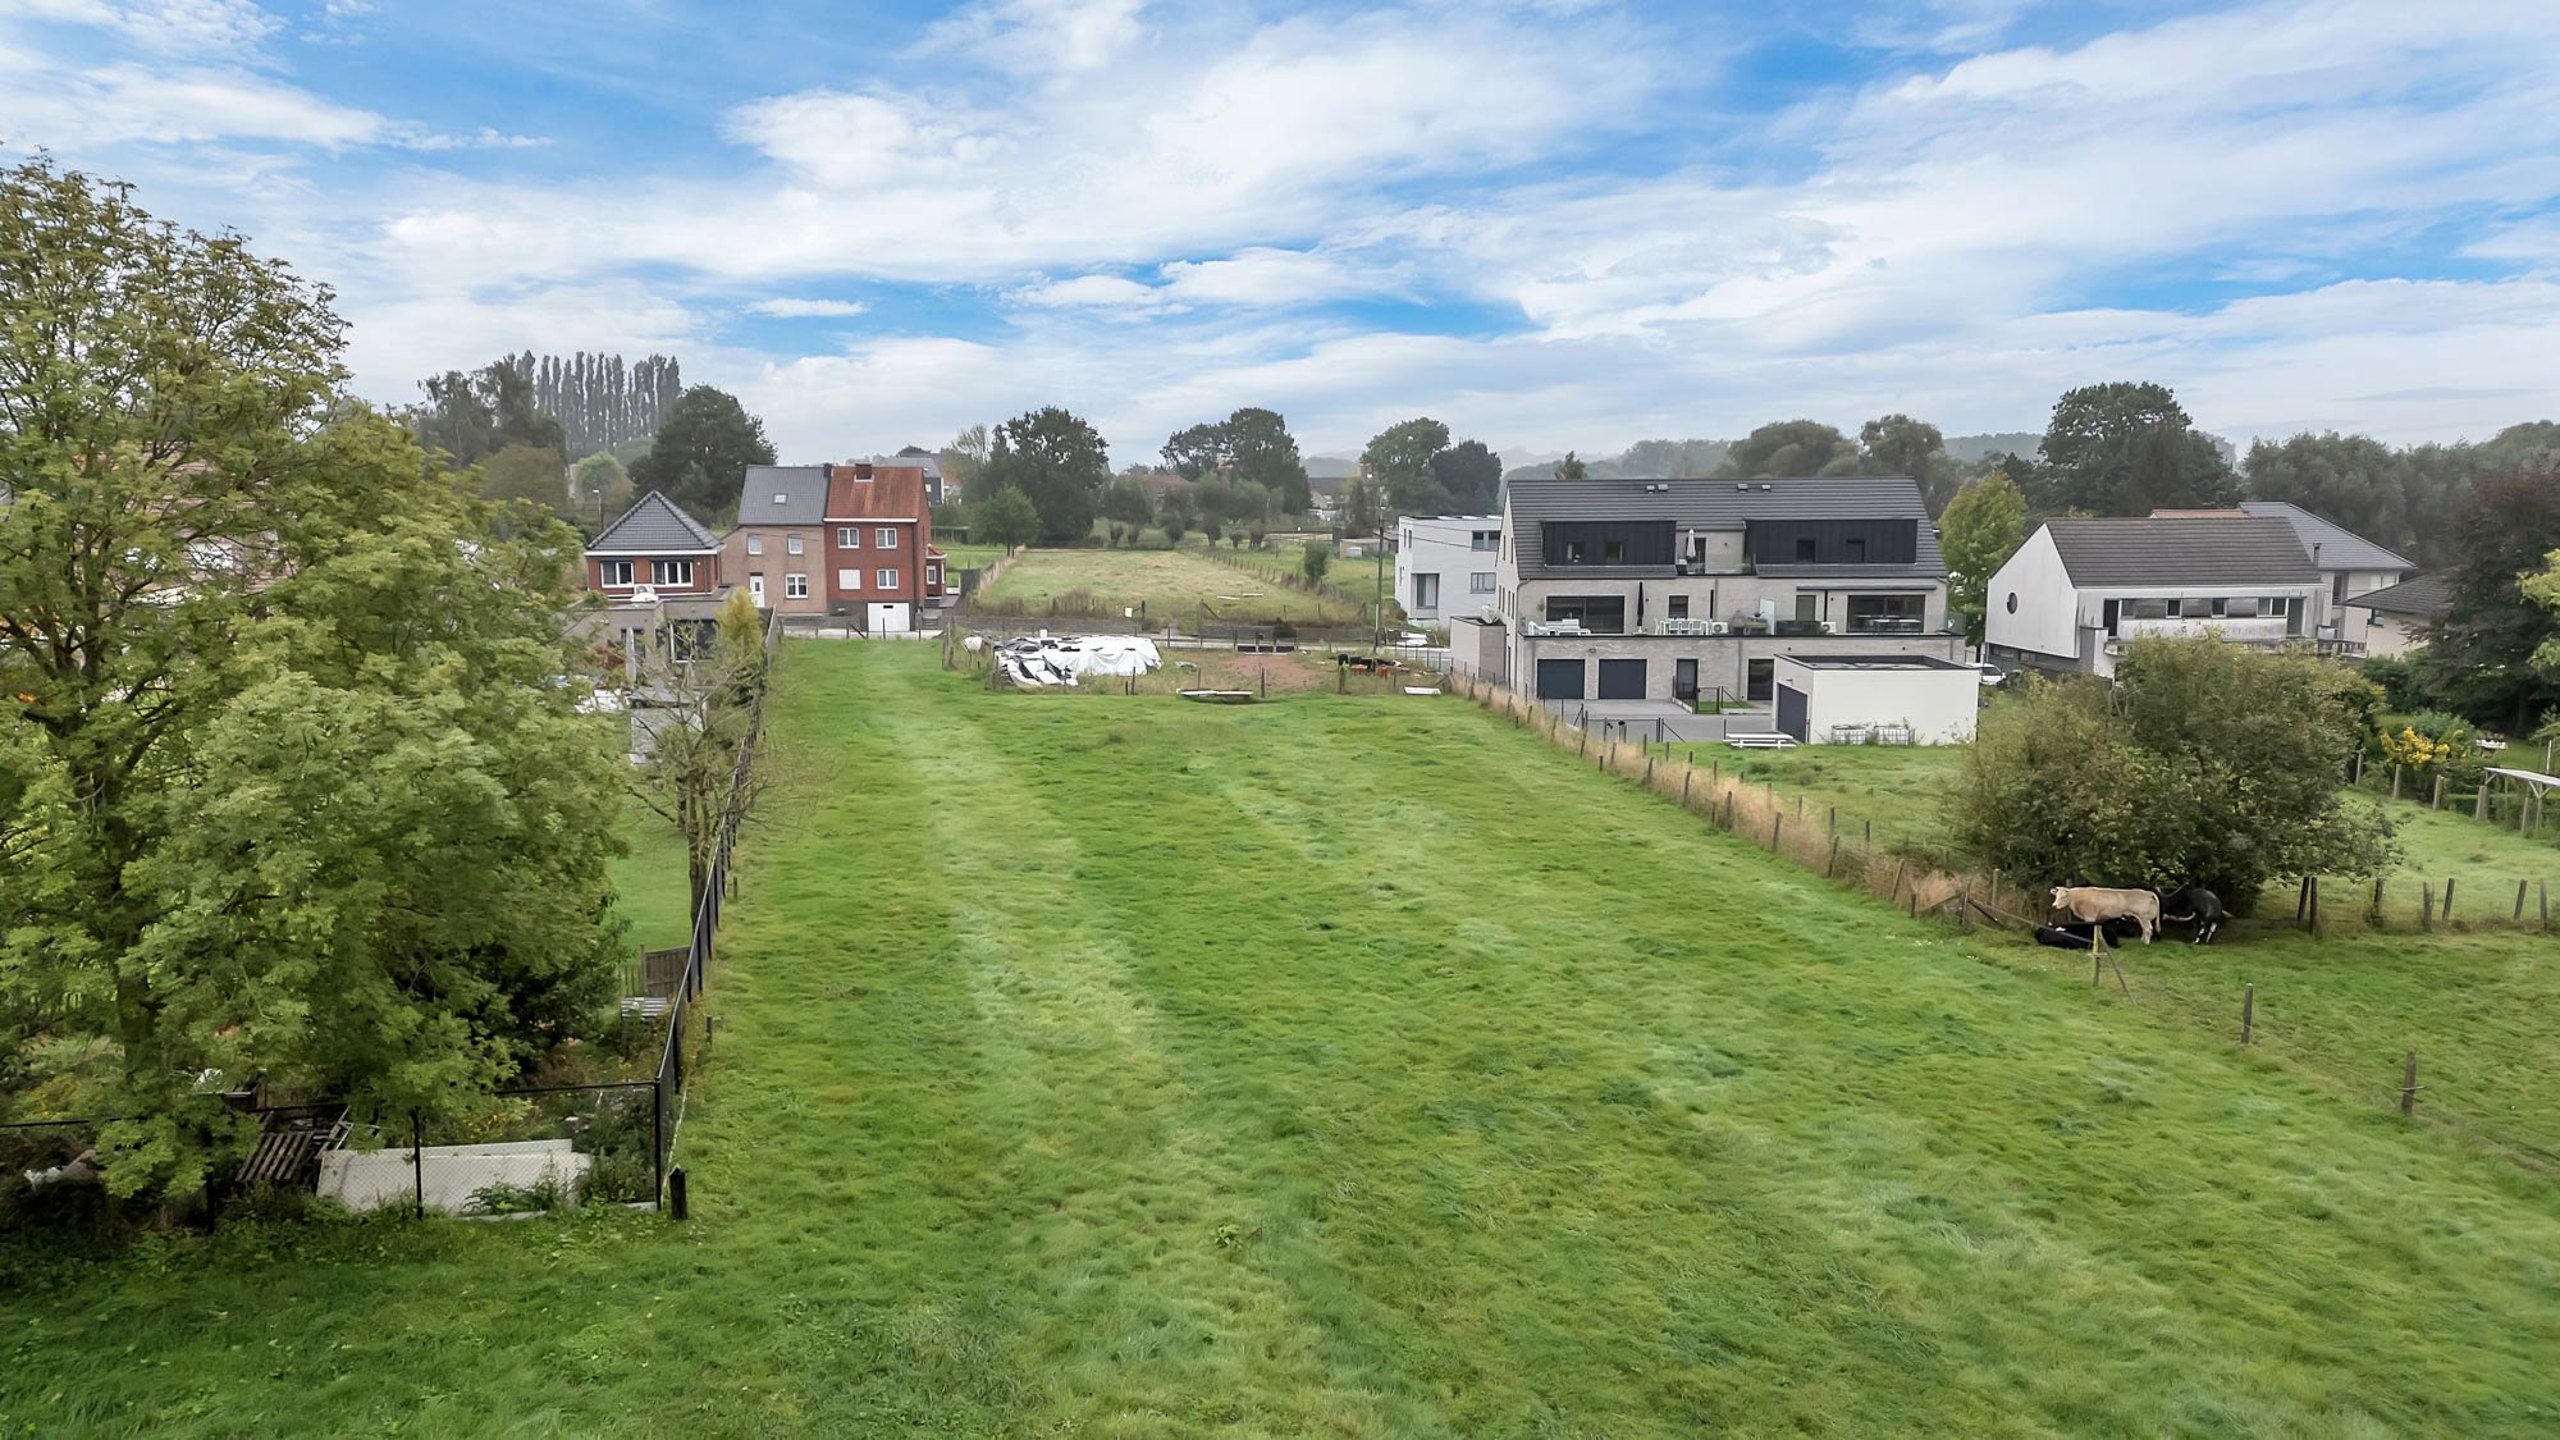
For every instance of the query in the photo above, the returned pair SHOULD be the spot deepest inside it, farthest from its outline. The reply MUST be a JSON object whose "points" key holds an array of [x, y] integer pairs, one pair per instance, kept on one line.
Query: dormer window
{"points": [[1804, 549]]}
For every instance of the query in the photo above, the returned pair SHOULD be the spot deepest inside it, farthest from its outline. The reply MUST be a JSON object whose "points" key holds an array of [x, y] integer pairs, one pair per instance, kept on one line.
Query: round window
{"points": [[2013, 602]]}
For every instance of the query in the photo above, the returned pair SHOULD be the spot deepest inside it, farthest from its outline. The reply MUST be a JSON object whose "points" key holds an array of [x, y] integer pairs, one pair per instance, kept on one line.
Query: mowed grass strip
{"points": [[1364, 1067]]}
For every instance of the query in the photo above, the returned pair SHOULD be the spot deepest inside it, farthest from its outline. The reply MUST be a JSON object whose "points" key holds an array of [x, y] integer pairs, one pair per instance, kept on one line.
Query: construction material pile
{"points": [[1046, 659]]}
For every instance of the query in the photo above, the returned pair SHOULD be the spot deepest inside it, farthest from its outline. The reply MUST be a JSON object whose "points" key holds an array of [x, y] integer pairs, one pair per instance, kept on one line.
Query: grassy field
{"points": [[649, 883], [1364, 1067], [1352, 584], [1177, 587], [962, 556]]}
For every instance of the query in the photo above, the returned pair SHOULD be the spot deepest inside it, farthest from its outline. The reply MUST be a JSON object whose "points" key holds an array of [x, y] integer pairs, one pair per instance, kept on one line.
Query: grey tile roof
{"points": [[1724, 505], [2117, 553], [653, 526], [927, 463], [2340, 547], [2424, 597], [783, 495]]}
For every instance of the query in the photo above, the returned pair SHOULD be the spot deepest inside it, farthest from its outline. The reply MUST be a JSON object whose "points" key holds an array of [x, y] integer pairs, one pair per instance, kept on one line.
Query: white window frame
{"points": [[1479, 582], [795, 586], [933, 574], [794, 544], [885, 537], [888, 579], [849, 580], [1484, 540], [755, 544], [618, 572], [848, 537], [665, 571]]}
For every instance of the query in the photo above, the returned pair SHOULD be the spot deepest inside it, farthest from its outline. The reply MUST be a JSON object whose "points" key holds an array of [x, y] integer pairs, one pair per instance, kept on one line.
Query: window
{"points": [[1426, 592], [1480, 583], [2012, 602], [1808, 607], [675, 572], [794, 544], [1576, 552], [617, 572], [848, 538], [1484, 540], [1679, 607], [1759, 679], [888, 579], [2241, 607], [1887, 614], [933, 574], [1804, 549], [2146, 609], [885, 538], [795, 587], [1606, 614], [1857, 550], [848, 579], [755, 544]]}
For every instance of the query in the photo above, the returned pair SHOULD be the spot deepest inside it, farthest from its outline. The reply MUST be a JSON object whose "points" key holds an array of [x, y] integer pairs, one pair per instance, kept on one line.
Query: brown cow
{"points": [[2096, 904]]}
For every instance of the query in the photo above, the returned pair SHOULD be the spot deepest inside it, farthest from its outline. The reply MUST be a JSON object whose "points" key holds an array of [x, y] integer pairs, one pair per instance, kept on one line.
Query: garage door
{"points": [[1791, 711], [1560, 679], [1621, 679]]}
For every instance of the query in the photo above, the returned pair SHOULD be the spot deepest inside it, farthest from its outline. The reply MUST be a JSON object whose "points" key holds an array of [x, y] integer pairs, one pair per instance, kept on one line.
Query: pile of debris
{"points": [[1046, 659]]}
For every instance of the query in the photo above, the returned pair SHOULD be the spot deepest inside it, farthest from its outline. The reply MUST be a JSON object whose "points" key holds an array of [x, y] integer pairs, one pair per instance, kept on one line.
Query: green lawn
{"points": [[1176, 587], [649, 883], [1366, 1067], [963, 556]]}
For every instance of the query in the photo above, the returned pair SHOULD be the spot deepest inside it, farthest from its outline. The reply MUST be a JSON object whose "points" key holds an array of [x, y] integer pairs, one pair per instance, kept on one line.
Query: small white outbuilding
{"points": [[1876, 699]]}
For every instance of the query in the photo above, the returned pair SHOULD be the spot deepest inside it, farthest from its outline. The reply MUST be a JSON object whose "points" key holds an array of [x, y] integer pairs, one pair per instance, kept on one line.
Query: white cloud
{"points": [[191, 28], [790, 309]]}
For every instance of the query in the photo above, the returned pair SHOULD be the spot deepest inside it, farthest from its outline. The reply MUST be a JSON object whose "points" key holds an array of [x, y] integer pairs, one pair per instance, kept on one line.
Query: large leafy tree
{"points": [[2127, 448], [1900, 445], [286, 788], [527, 472], [2205, 763], [2480, 661], [1005, 518], [1470, 475], [1252, 444], [1793, 447], [700, 456], [2354, 480], [1059, 463], [1398, 460], [600, 486], [474, 416], [1983, 526]]}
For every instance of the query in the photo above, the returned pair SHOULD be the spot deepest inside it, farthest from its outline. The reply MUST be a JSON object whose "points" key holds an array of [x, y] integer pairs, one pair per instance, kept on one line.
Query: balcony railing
{"points": [[2240, 630]]}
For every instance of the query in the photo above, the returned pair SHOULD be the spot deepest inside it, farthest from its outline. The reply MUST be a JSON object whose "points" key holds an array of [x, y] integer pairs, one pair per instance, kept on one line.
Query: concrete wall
{"points": [[1938, 705], [1478, 649]]}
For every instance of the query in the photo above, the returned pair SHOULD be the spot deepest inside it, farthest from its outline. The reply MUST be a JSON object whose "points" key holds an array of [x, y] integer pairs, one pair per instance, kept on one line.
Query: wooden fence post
{"points": [[1896, 892], [2395, 782], [2302, 900], [1775, 821], [2248, 1010], [2374, 916], [2544, 890], [1832, 868], [2312, 922], [2520, 888], [2409, 1085], [2436, 801], [2448, 899], [1685, 777]]}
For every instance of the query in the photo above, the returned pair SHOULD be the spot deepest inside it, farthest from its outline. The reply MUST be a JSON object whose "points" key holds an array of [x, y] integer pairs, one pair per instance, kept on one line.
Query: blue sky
{"points": [[1560, 224]]}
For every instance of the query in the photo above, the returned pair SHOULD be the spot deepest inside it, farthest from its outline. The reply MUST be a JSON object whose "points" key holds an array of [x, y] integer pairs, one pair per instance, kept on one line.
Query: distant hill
{"points": [[1331, 467]]}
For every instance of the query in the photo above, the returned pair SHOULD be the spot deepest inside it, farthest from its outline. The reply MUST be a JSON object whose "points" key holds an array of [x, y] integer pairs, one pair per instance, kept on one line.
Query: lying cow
{"points": [[2084, 936], [2090, 903], [2195, 906]]}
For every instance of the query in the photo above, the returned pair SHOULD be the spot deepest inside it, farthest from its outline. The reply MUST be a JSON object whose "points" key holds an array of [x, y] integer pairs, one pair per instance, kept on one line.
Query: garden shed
{"points": [[1876, 699]]}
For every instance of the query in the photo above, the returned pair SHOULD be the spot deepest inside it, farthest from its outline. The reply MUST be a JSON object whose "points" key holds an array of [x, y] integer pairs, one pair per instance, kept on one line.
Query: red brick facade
{"points": [[604, 573], [879, 540]]}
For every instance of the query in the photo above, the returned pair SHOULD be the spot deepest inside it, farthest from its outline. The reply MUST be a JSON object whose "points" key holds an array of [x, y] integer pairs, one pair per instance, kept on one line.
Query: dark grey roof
{"points": [[1723, 505], [1875, 662], [927, 463], [2132, 552], [783, 495], [2424, 597], [653, 526], [2339, 547]]}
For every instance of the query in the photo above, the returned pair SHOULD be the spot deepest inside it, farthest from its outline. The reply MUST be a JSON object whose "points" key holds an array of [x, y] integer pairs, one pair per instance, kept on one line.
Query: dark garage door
{"points": [[1791, 712], [1621, 679], [1560, 679]]}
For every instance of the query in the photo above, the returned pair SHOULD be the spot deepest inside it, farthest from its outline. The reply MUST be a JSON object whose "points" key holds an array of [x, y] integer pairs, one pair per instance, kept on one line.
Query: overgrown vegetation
{"points": [[2203, 764]]}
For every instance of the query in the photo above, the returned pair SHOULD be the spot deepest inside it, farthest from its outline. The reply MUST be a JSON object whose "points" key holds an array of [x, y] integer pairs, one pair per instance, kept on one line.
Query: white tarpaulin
{"points": [[1065, 659]]}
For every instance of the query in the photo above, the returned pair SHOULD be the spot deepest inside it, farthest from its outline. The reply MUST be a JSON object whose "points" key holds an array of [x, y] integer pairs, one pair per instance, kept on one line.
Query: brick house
{"points": [[657, 545], [778, 549], [881, 565]]}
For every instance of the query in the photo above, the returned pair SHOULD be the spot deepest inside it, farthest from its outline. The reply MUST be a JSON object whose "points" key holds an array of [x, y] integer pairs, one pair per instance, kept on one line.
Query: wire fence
{"points": [[522, 1150]]}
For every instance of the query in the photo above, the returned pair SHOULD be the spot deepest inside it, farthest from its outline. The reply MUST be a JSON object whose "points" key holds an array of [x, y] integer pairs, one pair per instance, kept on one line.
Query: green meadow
{"points": [[1362, 1066]]}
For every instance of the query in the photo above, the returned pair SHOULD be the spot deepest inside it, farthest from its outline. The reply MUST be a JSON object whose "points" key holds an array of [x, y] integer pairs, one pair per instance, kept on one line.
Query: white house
{"points": [[2077, 590], [1894, 699], [2350, 564], [2395, 620], [1446, 565]]}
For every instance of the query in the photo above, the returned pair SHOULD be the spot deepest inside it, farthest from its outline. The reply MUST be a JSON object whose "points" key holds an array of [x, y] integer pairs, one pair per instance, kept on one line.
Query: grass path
{"points": [[1361, 1067]]}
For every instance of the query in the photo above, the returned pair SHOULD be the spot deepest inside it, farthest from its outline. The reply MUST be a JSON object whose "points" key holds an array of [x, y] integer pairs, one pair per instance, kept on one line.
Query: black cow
{"points": [[2197, 906], [2083, 934]]}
